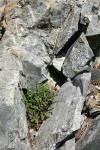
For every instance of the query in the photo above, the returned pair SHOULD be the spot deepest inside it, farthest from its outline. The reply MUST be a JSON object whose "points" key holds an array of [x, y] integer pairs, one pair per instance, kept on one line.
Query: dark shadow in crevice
{"points": [[24, 90], [56, 75], [3, 31], [81, 72], [91, 60], [95, 114], [94, 43], [72, 39], [86, 112], [68, 44], [62, 142], [2, 28]]}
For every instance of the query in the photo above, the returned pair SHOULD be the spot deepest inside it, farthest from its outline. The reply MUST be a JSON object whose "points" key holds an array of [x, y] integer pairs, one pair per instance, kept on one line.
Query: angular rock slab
{"points": [[65, 119], [13, 124], [33, 74], [82, 81], [69, 26], [77, 58]]}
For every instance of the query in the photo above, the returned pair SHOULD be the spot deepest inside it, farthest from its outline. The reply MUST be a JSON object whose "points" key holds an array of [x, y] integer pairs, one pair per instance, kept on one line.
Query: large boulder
{"points": [[77, 58], [54, 21], [13, 124]]}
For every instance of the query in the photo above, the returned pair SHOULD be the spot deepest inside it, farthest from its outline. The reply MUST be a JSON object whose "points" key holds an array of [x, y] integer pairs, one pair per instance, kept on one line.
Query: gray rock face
{"points": [[13, 125], [69, 26], [1, 3], [66, 117], [32, 74], [92, 138], [82, 82], [91, 9], [54, 21], [77, 58], [35, 32]]}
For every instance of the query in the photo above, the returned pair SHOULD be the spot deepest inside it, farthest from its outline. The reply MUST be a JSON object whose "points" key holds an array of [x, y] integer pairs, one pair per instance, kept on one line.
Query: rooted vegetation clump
{"points": [[38, 104]]}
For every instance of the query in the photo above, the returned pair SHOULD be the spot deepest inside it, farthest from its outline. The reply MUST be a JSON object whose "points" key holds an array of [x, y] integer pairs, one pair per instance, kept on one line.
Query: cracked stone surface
{"points": [[32, 33]]}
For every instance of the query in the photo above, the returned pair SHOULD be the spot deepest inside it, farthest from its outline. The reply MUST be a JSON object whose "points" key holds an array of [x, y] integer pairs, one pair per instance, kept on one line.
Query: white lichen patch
{"points": [[17, 53]]}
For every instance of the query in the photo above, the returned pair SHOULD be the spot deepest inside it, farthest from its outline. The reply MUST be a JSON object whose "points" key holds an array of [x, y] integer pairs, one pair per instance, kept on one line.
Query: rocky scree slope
{"points": [[54, 40]]}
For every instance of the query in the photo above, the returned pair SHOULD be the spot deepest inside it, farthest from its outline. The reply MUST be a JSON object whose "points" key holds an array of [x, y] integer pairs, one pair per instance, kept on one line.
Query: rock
{"points": [[35, 50], [13, 125], [82, 81], [58, 62], [70, 145], [55, 24], [35, 32], [77, 58], [69, 26], [92, 139], [95, 75], [92, 99], [90, 9], [2, 3], [62, 124], [32, 74]]}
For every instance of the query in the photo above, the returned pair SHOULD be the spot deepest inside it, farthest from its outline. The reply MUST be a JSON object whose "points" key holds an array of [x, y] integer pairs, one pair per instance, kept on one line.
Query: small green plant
{"points": [[38, 103]]}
